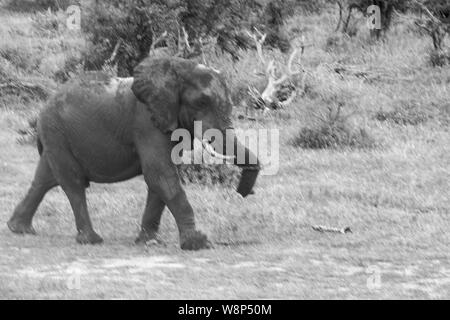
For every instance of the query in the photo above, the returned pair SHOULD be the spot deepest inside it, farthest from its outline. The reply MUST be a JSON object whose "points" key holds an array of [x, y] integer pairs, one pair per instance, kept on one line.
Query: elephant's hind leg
{"points": [[21, 221], [72, 180]]}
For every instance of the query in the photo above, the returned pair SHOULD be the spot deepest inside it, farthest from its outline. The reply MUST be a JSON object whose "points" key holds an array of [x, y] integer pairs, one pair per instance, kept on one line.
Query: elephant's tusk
{"points": [[209, 148]]}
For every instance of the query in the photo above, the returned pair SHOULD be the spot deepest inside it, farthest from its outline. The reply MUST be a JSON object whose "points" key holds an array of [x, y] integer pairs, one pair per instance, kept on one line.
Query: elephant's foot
{"points": [[194, 240], [88, 237], [20, 227], [148, 238]]}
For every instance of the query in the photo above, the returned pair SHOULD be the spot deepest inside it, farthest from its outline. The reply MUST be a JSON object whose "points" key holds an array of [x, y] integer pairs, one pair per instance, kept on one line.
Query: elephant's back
{"points": [[94, 113], [93, 89], [96, 97]]}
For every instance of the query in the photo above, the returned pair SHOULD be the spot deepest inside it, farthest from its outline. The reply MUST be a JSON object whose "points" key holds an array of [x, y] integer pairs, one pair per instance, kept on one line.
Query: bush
{"points": [[19, 58], [387, 7], [441, 8], [39, 5], [209, 174], [28, 135], [337, 42], [307, 6], [72, 65], [333, 131], [439, 58], [406, 113], [335, 136], [48, 24], [134, 22], [14, 89], [137, 23], [56, 4]]}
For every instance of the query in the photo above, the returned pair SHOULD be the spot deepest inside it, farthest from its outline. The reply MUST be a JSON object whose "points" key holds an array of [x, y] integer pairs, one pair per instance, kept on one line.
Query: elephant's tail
{"points": [[39, 145]]}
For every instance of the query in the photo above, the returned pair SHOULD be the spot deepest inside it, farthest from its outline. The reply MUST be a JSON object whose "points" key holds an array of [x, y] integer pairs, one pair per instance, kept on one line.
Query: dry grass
{"points": [[394, 198]]}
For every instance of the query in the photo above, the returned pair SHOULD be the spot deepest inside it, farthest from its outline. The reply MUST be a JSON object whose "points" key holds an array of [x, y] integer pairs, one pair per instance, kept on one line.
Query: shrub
{"points": [[333, 131], [441, 8], [39, 5], [22, 91], [387, 7], [48, 24], [71, 66], [406, 113], [209, 174], [334, 136], [307, 6], [439, 58], [434, 20], [138, 22], [134, 22], [19, 58], [14, 89], [337, 42], [28, 135]]}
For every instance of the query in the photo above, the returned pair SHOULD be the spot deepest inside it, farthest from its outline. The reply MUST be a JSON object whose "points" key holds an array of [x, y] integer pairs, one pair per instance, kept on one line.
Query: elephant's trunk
{"points": [[247, 161], [250, 168]]}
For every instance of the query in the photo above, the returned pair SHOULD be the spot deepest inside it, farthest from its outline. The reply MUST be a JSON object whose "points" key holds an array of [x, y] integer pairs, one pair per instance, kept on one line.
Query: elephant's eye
{"points": [[204, 101]]}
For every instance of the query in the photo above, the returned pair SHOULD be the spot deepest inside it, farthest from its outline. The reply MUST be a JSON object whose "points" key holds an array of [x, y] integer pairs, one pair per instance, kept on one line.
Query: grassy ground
{"points": [[394, 196]]}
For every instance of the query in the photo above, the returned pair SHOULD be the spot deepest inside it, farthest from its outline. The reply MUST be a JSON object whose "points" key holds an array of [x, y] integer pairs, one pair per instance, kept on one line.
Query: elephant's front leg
{"points": [[154, 208], [162, 179]]}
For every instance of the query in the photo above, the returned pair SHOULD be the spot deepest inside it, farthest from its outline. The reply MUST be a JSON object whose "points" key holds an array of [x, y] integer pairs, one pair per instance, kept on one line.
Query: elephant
{"points": [[104, 129]]}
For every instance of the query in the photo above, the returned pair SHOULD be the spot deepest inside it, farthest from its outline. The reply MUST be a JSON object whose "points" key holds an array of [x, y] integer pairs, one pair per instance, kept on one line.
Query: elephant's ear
{"points": [[156, 85]]}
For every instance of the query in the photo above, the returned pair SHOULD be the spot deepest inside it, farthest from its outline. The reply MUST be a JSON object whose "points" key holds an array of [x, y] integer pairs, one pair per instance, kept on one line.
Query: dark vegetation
{"points": [[137, 23], [333, 130], [405, 113], [209, 174]]}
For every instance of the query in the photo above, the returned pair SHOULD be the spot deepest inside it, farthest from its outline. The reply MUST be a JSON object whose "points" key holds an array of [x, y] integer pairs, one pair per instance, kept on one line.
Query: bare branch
{"points": [[259, 41], [289, 100], [291, 60], [113, 56], [157, 41], [200, 41], [341, 9], [275, 80], [186, 40], [427, 11], [432, 25]]}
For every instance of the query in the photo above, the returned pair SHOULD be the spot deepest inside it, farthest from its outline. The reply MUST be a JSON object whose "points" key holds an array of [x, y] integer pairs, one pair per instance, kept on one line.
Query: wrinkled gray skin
{"points": [[107, 130]]}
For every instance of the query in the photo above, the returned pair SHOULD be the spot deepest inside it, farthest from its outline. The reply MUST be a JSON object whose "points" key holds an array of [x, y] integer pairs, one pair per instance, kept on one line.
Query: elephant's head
{"points": [[179, 92]]}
